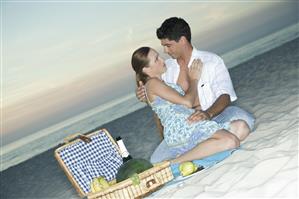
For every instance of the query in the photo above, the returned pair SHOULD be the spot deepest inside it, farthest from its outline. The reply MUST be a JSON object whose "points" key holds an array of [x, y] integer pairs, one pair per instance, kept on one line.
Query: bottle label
{"points": [[123, 151]]}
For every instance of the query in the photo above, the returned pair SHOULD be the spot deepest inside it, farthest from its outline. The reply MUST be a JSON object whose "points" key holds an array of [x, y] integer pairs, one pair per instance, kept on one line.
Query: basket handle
{"points": [[74, 136], [150, 183]]}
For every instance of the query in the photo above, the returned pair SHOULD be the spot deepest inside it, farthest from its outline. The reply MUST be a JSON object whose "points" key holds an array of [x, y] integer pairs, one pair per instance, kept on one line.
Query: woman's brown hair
{"points": [[139, 61]]}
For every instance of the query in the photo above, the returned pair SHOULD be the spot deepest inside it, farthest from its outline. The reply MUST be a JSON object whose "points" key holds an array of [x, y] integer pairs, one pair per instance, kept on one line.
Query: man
{"points": [[215, 89]]}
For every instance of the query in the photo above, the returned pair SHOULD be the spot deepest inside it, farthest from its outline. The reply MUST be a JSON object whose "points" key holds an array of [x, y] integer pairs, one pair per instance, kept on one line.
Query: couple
{"points": [[190, 94]]}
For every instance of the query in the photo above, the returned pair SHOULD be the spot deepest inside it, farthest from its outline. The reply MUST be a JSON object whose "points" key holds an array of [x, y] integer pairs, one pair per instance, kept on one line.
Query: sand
{"points": [[266, 166]]}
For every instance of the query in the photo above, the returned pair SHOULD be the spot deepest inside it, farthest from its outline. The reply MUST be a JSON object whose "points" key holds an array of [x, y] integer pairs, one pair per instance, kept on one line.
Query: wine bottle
{"points": [[123, 150]]}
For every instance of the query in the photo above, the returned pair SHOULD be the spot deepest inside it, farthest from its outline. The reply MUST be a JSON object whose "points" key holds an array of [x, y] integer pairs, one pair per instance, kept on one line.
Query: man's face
{"points": [[156, 63], [171, 47]]}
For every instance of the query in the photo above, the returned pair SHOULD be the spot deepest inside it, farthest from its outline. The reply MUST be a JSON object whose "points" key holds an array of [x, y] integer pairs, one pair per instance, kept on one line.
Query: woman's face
{"points": [[156, 64]]}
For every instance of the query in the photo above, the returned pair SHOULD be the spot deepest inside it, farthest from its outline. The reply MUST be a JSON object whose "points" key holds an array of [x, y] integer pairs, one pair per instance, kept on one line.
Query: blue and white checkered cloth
{"points": [[89, 160]]}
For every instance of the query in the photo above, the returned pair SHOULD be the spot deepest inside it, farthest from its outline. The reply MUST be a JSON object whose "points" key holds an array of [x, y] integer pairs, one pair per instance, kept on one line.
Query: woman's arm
{"points": [[156, 87]]}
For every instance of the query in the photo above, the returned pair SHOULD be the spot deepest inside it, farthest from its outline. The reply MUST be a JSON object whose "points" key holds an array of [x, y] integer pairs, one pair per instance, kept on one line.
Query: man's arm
{"points": [[140, 92], [221, 86], [219, 105]]}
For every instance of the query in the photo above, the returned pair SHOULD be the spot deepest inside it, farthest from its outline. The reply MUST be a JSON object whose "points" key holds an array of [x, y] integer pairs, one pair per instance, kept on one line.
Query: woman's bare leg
{"points": [[240, 129], [222, 140]]}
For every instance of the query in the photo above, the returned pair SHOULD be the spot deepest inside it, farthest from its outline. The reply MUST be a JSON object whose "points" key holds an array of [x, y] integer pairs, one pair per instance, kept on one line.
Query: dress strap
{"points": [[146, 96]]}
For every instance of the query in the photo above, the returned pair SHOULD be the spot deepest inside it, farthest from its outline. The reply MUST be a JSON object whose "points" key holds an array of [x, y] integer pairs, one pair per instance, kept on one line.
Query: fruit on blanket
{"points": [[187, 168], [131, 167], [112, 182], [135, 179], [98, 184]]}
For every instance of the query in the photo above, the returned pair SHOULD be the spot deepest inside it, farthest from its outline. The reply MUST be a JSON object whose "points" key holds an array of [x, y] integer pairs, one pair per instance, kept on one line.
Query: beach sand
{"points": [[266, 166]]}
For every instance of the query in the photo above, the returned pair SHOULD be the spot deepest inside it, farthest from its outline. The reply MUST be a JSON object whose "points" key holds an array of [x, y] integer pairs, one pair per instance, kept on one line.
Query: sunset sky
{"points": [[60, 59]]}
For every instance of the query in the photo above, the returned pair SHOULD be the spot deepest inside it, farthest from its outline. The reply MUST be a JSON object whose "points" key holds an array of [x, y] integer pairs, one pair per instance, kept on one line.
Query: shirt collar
{"points": [[193, 55]]}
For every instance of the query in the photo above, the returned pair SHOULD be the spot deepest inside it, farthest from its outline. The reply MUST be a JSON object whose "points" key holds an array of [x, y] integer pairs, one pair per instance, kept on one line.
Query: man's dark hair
{"points": [[173, 29]]}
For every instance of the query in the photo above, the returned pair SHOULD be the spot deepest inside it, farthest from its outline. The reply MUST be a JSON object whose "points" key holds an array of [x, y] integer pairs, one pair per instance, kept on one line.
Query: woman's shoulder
{"points": [[153, 82], [157, 82], [152, 87]]}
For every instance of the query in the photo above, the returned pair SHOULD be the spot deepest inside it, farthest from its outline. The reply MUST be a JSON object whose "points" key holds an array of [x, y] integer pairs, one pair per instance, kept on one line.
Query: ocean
{"points": [[34, 144]]}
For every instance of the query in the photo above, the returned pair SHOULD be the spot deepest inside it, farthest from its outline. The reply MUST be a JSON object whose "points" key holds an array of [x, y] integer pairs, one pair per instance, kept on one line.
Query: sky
{"points": [[62, 58]]}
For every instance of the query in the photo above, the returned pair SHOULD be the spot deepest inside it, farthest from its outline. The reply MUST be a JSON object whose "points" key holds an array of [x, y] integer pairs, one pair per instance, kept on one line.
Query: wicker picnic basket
{"points": [[99, 150]]}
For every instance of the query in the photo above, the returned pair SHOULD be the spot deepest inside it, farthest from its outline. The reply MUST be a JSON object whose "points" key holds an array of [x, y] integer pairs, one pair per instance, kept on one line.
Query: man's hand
{"points": [[199, 115], [140, 92]]}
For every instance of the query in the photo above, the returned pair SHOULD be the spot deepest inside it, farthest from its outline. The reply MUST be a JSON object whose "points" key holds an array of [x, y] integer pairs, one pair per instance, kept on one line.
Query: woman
{"points": [[188, 141]]}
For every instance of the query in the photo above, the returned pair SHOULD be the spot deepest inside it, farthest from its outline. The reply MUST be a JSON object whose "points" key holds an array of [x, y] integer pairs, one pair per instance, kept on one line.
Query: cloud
{"points": [[70, 58]]}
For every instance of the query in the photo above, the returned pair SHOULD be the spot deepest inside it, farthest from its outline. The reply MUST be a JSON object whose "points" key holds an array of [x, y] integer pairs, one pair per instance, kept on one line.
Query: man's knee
{"points": [[250, 120], [242, 129], [241, 114]]}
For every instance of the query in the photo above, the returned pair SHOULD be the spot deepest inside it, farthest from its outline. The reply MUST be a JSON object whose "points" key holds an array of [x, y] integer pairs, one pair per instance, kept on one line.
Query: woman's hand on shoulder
{"points": [[195, 69]]}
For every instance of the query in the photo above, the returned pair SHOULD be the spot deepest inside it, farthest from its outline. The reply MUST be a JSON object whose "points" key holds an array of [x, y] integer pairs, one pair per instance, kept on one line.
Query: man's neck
{"points": [[184, 59]]}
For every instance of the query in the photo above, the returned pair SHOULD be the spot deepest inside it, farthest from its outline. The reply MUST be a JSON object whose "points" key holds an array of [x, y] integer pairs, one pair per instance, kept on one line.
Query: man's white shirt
{"points": [[214, 81]]}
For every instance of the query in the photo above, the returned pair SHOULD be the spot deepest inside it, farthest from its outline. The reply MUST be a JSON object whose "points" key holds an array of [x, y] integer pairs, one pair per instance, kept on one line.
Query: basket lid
{"points": [[86, 161]]}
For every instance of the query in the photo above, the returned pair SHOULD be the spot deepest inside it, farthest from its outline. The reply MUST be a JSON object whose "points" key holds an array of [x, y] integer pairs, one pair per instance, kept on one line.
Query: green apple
{"points": [[187, 168], [98, 184], [103, 182], [135, 179]]}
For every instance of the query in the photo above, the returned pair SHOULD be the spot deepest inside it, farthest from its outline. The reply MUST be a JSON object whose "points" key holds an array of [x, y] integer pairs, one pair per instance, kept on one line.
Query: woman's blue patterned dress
{"points": [[179, 134]]}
